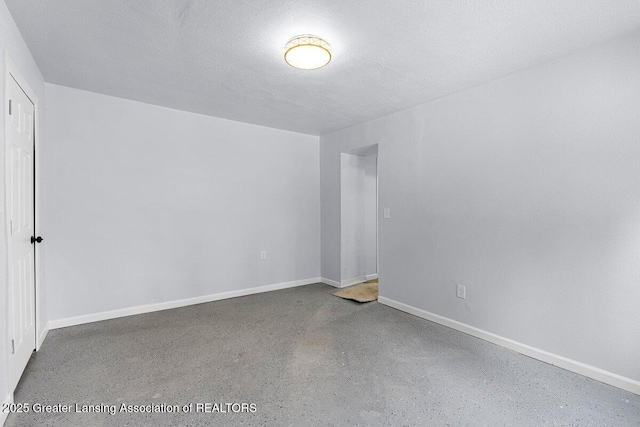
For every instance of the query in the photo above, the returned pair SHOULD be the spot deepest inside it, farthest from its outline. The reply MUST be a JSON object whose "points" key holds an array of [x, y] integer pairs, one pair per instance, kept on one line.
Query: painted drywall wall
{"points": [[358, 196], [527, 191], [358, 217], [370, 215], [147, 204], [12, 42], [352, 230]]}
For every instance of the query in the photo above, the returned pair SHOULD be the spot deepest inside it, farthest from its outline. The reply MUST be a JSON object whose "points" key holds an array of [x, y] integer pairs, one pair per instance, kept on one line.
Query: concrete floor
{"points": [[306, 358]]}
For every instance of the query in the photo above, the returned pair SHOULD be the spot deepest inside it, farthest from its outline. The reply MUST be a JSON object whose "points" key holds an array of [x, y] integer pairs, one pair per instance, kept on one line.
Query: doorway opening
{"points": [[359, 215]]}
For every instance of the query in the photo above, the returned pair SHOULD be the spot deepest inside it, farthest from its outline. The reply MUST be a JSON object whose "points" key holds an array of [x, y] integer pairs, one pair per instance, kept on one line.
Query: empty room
{"points": [[319, 213]]}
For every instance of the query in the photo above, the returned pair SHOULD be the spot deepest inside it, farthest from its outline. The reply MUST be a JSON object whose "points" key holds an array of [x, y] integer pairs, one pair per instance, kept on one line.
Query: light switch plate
{"points": [[461, 291]]}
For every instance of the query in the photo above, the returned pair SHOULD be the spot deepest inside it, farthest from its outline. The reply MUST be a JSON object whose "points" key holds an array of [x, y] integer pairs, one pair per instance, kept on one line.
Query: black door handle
{"points": [[35, 239]]}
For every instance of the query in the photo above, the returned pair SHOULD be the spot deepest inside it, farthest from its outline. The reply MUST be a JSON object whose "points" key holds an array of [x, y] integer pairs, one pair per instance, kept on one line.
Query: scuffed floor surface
{"points": [[305, 358]]}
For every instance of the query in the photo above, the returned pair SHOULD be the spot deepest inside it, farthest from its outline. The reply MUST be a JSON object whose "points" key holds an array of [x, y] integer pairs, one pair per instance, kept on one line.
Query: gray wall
{"points": [[352, 226], [147, 204], [358, 228], [527, 191], [370, 215], [12, 42], [358, 216]]}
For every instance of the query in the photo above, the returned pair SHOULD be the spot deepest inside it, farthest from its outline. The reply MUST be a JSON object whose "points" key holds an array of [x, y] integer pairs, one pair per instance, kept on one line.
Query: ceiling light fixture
{"points": [[307, 52]]}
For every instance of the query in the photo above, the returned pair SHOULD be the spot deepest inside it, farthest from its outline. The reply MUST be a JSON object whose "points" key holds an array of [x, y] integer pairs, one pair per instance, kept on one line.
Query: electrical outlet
{"points": [[386, 213], [263, 255], [461, 291]]}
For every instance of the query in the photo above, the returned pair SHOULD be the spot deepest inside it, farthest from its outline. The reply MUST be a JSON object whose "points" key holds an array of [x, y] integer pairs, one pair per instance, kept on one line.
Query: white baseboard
{"points": [[353, 281], [147, 308], [42, 336], [331, 283], [598, 374], [349, 282], [3, 415]]}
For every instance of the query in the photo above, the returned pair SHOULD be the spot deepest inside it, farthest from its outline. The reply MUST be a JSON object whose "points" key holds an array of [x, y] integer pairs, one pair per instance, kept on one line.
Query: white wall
{"points": [[370, 215], [527, 191], [147, 204], [358, 217], [12, 42], [352, 251]]}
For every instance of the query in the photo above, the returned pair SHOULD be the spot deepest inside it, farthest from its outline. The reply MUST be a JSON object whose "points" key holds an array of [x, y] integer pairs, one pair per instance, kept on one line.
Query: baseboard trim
{"points": [[589, 371], [148, 308], [42, 336], [349, 282], [331, 283], [4, 415], [353, 281]]}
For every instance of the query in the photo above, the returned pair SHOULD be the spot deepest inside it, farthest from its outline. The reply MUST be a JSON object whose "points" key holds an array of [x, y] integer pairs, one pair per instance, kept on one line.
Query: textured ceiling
{"points": [[224, 58]]}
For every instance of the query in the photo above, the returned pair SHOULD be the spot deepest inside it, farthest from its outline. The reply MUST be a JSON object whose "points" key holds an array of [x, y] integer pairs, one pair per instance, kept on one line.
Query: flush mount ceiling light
{"points": [[307, 52]]}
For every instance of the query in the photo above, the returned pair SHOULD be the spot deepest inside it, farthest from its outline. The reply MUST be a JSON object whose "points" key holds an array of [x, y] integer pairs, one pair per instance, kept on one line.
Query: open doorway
{"points": [[359, 218]]}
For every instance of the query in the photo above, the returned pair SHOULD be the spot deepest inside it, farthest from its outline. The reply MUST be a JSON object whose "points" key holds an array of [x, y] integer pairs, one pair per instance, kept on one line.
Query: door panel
{"points": [[20, 228]]}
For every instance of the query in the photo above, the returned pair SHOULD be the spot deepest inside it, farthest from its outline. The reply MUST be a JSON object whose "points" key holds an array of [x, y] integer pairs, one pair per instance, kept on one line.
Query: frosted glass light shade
{"points": [[307, 52]]}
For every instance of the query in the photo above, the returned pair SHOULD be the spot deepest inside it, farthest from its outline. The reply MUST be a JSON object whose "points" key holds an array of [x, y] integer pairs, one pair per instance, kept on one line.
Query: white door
{"points": [[19, 123]]}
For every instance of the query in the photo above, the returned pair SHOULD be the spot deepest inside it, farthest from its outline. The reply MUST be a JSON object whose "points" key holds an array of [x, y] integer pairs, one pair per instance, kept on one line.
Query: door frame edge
{"points": [[10, 70]]}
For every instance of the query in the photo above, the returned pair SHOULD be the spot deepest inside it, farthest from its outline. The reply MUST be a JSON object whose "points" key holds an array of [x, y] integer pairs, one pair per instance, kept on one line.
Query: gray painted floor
{"points": [[305, 358]]}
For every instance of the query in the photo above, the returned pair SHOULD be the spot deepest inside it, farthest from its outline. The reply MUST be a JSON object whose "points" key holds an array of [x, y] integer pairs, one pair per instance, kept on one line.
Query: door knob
{"points": [[35, 239]]}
